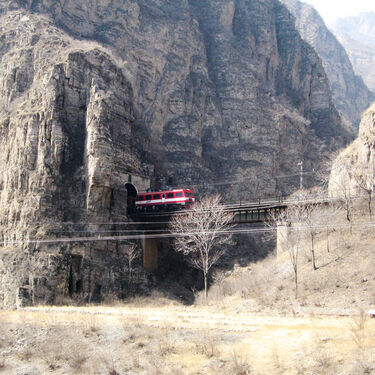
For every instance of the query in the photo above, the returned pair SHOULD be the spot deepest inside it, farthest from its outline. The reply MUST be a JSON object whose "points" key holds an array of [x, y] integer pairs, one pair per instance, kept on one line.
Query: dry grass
{"points": [[343, 282], [236, 333], [207, 345], [184, 340], [238, 366]]}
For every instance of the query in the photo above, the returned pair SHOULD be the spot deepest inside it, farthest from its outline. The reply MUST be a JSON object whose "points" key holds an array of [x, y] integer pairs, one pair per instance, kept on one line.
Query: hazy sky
{"points": [[332, 9]]}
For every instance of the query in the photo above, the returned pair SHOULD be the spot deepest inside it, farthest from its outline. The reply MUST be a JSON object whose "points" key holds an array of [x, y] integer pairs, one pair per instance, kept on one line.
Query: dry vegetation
{"points": [[343, 281], [252, 323], [182, 340]]}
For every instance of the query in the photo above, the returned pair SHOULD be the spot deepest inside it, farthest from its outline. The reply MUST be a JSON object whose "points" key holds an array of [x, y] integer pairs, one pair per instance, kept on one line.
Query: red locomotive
{"points": [[164, 200]]}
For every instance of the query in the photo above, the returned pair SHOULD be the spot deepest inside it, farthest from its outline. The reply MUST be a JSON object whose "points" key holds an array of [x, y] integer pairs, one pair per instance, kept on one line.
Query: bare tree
{"points": [[328, 215], [201, 233], [310, 216], [323, 173], [289, 232], [314, 217], [131, 253], [340, 185], [365, 184], [295, 217]]}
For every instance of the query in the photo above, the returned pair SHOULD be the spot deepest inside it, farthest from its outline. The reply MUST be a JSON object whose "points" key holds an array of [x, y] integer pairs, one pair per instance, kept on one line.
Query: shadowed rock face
{"points": [[67, 133], [224, 95], [350, 94]]}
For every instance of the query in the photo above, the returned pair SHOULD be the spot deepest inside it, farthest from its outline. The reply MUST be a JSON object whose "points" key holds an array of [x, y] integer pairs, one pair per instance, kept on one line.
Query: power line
{"points": [[187, 234], [167, 214], [220, 182], [226, 182]]}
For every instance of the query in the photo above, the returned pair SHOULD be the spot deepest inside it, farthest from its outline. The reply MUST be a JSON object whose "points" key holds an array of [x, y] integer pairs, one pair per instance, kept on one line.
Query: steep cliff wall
{"points": [[67, 128], [357, 35], [353, 170], [222, 96], [271, 91], [212, 77], [350, 94]]}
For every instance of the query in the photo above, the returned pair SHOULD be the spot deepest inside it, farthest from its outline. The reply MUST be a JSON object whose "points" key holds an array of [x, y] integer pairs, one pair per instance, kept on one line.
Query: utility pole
{"points": [[301, 175]]}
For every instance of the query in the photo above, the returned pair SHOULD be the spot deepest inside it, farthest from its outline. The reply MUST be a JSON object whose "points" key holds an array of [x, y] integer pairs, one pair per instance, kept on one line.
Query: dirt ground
{"points": [[250, 324], [182, 340]]}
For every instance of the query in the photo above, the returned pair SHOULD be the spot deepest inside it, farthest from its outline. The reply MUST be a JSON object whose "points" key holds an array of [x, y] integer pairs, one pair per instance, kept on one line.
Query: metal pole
{"points": [[301, 175]]}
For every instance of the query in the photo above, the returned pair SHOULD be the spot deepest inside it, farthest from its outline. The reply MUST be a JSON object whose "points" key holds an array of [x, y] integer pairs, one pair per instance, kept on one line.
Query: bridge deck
{"points": [[244, 213]]}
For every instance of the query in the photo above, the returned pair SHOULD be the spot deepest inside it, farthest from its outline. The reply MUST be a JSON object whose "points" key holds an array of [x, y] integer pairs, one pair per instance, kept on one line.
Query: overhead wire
{"points": [[185, 234], [226, 182], [223, 181], [163, 214], [168, 213]]}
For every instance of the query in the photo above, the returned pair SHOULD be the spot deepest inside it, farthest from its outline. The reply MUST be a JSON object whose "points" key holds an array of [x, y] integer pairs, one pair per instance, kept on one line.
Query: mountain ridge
{"points": [[350, 94], [356, 34], [99, 95]]}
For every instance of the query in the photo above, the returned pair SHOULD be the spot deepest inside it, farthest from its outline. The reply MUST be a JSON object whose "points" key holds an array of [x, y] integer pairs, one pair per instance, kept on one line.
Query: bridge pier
{"points": [[150, 254]]}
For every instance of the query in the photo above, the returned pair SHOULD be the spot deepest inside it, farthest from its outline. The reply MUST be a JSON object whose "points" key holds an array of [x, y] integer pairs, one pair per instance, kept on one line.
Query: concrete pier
{"points": [[150, 254]]}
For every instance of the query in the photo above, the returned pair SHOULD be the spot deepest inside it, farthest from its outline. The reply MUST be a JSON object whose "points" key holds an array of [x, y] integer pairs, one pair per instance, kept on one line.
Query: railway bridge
{"points": [[156, 223]]}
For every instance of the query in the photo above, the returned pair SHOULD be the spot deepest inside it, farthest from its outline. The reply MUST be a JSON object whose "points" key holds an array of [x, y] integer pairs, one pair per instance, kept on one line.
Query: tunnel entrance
{"points": [[132, 195]]}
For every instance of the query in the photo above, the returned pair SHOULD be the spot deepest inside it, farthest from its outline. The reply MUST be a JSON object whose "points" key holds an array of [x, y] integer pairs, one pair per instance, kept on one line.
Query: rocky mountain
{"points": [[360, 28], [223, 96], [357, 35], [353, 170], [350, 94]]}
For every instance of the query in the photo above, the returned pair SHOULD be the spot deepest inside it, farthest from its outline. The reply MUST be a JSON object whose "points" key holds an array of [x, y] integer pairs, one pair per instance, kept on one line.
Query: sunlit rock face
{"points": [[357, 35], [350, 94], [353, 170], [222, 96]]}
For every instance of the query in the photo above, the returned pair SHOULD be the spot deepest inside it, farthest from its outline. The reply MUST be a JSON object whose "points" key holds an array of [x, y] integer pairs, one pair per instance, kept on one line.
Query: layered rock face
{"points": [[221, 96], [67, 150], [350, 94], [353, 170], [357, 35]]}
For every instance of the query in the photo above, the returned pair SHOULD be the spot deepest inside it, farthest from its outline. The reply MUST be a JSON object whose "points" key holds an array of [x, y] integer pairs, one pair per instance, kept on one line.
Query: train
{"points": [[164, 200]]}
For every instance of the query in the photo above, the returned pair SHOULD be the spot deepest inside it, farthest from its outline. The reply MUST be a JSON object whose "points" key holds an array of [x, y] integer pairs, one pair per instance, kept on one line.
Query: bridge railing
{"points": [[258, 201], [285, 200]]}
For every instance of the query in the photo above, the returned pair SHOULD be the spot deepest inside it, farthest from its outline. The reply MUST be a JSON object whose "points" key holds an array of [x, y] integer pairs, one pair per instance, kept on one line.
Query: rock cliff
{"points": [[357, 35], [353, 170], [67, 139], [222, 96], [350, 94]]}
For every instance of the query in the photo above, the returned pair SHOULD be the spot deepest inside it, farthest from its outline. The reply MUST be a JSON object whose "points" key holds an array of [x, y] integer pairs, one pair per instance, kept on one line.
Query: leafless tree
{"points": [[304, 215], [131, 253], [295, 218], [201, 234], [365, 184], [310, 217], [329, 214], [289, 230], [340, 185], [323, 173]]}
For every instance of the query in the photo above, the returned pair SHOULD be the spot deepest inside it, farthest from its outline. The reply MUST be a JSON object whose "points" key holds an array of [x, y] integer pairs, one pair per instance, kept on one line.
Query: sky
{"points": [[330, 10]]}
